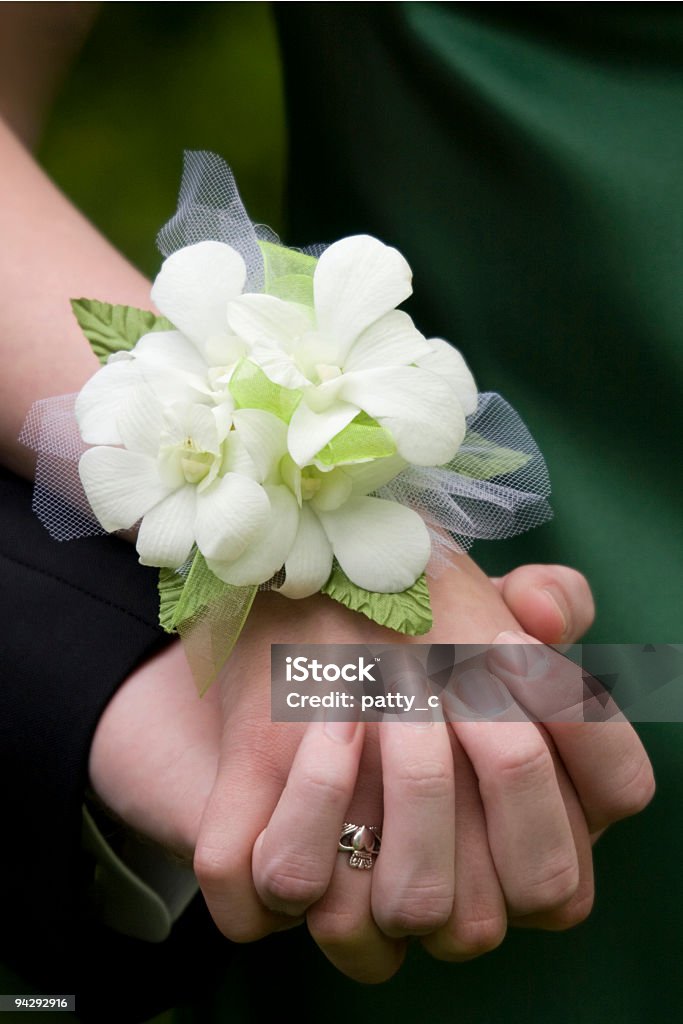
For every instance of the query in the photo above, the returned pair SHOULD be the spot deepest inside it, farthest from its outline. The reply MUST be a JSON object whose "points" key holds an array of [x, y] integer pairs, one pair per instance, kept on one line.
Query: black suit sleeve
{"points": [[75, 620]]}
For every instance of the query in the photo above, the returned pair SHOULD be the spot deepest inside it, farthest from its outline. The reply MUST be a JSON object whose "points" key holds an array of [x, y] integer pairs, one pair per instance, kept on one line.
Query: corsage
{"points": [[281, 425]]}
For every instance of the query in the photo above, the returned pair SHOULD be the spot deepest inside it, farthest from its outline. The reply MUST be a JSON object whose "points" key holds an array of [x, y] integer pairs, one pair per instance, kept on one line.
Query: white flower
{"points": [[253, 492], [381, 546], [186, 474], [355, 352], [191, 364], [316, 515]]}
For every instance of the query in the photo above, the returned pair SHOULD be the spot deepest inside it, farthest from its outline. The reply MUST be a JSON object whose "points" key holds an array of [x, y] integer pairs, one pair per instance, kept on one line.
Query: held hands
{"points": [[482, 822]]}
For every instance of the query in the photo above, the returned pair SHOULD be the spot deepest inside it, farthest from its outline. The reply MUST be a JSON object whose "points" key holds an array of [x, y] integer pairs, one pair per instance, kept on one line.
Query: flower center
{"points": [[311, 482], [327, 490], [218, 377], [195, 464], [326, 371]]}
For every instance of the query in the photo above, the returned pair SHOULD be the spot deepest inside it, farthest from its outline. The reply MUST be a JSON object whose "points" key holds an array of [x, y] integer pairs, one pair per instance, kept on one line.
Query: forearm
{"points": [[50, 253]]}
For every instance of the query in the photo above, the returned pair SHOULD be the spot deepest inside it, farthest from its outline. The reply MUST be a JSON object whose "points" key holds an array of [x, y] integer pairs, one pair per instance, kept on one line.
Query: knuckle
{"points": [[217, 872], [213, 866], [426, 779], [574, 913], [324, 790], [335, 929], [290, 882], [242, 932], [524, 766], [554, 888], [473, 938], [634, 794], [423, 909]]}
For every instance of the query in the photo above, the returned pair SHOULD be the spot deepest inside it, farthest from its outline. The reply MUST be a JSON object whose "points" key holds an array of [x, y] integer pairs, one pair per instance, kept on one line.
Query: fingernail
{"points": [[516, 654], [340, 732], [414, 723], [482, 693], [555, 595], [413, 687]]}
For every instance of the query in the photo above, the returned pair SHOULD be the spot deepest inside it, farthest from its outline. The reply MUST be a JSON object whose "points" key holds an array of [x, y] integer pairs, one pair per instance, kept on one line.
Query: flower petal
{"points": [[101, 399], [309, 562], [278, 366], [194, 286], [267, 553], [121, 486], [370, 476], [230, 515], [380, 545], [272, 328], [418, 408], [357, 280], [166, 533], [141, 421], [191, 420], [264, 436], [236, 458], [310, 431], [335, 488], [445, 361], [267, 320], [170, 350], [393, 340]]}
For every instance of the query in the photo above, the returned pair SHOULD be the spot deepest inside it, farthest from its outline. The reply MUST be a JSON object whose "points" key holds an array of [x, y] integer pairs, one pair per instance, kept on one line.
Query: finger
{"points": [[580, 904], [244, 796], [553, 602], [478, 919], [295, 856], [549, 686], [412, 891], [341, 923], [605, 759], [530, 837]]}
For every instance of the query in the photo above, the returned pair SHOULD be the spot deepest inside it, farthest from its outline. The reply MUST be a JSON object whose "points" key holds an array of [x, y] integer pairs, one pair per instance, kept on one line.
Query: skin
{"points": [[509, 821]]}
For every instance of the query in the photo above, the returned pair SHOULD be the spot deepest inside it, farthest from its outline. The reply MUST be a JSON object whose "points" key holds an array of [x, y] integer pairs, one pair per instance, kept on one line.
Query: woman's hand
{"points": [[514, 841]]}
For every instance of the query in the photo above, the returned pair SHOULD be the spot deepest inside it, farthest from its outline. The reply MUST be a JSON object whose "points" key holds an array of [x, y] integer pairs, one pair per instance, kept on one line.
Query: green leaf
{"points": [[252, 389], [170, 587], [181, 597], [111, 328], [482, 459], [408, 612], [363, 439]]}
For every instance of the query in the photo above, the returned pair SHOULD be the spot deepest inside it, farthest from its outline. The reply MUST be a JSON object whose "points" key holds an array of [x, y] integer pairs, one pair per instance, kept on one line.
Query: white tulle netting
{"points": [[210, 207], [458, 507], [59, 501]]}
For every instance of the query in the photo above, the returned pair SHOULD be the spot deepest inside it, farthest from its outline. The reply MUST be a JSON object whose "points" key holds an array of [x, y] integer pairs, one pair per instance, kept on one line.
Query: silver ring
{"points": [[363, 842]]}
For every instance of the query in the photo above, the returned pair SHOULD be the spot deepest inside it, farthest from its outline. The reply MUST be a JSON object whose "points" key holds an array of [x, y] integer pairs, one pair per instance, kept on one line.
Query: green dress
{"points": [[528, 161]]}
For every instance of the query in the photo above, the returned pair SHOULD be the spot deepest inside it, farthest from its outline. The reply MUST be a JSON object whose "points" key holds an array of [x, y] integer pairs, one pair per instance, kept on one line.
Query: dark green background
{"points": [[152, 80]]}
